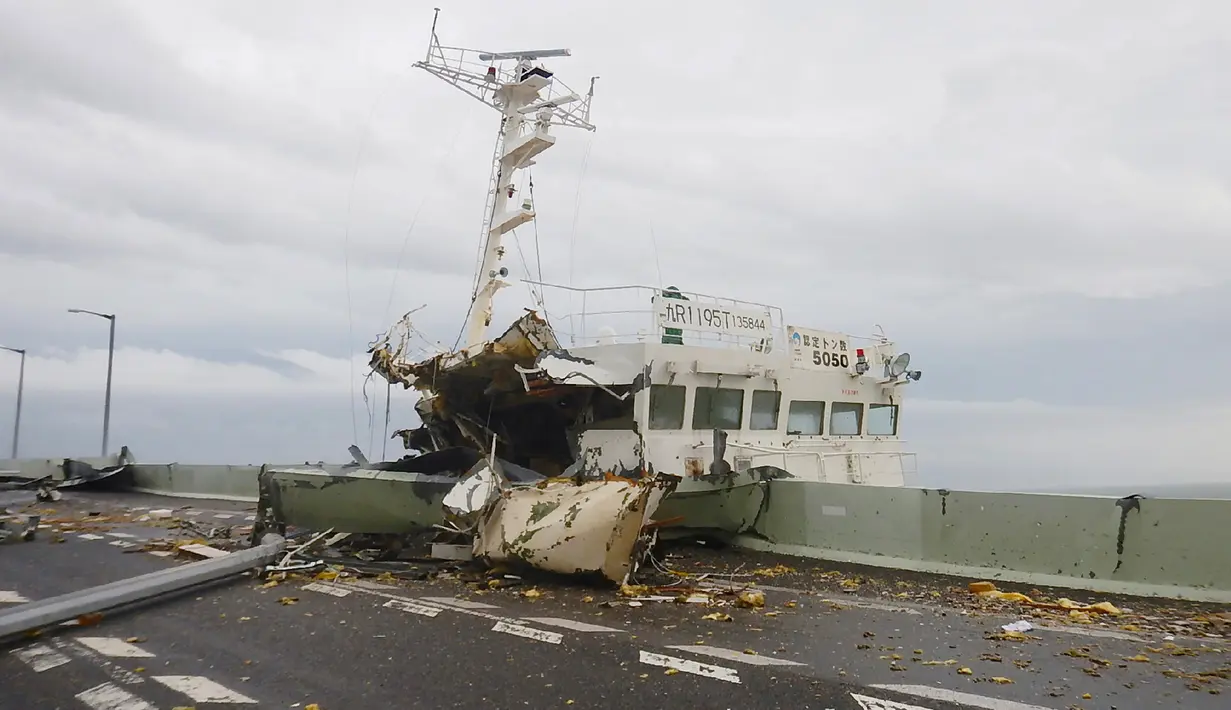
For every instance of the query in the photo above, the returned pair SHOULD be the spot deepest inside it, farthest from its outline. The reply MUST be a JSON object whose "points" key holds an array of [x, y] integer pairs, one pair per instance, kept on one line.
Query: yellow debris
{"points": [[965, 671], [717, 616], [1001, 680], [533, 593], [287, 601], [751, 599], [775, 571]]}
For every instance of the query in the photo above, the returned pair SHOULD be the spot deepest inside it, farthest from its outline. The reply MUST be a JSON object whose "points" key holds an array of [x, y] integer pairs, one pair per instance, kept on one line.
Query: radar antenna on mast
{"points": [[530, 100]]}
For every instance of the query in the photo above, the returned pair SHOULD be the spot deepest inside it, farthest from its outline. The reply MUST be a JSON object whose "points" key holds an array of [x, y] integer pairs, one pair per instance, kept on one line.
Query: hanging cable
{"points": [[572, 239]]}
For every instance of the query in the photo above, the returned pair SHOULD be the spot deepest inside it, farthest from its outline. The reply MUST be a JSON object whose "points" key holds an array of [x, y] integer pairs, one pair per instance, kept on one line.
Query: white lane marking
{"points": [[40, 657], [705, 670], [109, 696], [12, 598], [161, 553], [365, 584], [751, 659], [202, 689], [119, 674], [113, 647], [125, 535], [223, 516], [90, 536], [459, 603], [527, 632], [249, 518], [428, 600], [413, 608], [193, 513], [326, 589], [949, 696], [570, 624], [122, 543]]}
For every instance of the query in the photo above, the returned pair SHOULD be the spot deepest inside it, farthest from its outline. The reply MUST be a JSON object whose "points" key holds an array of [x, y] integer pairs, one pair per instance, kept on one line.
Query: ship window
{"points": [[764, 410], [882, 420], [718, 408], [804, 418], [845, 419], [667, 406]]}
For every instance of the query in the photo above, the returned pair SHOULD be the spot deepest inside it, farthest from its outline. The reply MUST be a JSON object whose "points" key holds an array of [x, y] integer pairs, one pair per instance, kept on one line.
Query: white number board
{"points": [[709, 318], [819, 349]]}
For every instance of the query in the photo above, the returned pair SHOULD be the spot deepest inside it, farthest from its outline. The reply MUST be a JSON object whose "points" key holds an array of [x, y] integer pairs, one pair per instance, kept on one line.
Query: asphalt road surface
{"points": [[438, 644]]}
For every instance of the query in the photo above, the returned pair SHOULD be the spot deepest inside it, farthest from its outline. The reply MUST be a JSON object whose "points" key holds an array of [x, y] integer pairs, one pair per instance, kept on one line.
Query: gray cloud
{"points": [[1032, 198]]}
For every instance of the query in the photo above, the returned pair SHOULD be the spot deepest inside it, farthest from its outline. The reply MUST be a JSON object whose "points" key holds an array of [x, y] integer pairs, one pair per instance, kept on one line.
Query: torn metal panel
{"points": [[570, 528], [521, 343], [479, 489], [617, 452], [80, 473], [605, 367], [400, 497]]}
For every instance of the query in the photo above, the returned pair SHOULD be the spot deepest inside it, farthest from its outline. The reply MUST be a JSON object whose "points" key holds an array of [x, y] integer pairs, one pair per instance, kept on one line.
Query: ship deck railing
{"points": [[625, 314]]}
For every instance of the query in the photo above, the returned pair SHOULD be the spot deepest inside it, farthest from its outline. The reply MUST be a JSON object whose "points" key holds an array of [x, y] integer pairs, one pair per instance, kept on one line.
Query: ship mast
{"points": [[527, 114]]}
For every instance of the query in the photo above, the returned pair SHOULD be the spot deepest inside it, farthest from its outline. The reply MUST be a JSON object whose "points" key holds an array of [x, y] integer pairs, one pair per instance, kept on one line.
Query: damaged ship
{"points": [[679, 413]]}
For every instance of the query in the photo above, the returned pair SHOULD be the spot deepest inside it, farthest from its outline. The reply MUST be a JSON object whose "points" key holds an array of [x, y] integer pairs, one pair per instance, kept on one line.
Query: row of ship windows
{"points": [[723, 408]]}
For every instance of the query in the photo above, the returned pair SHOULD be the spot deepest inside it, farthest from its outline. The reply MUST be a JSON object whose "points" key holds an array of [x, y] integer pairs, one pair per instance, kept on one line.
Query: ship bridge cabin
{"points": [[718, 376]]}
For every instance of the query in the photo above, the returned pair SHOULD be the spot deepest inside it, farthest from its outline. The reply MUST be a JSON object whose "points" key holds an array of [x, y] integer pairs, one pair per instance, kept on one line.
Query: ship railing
{"points": [[626, 314], [456, 63]]}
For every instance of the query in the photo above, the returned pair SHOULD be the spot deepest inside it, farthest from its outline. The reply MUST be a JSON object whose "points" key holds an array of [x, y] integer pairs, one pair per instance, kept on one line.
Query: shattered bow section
{"points": [[526, 452]]}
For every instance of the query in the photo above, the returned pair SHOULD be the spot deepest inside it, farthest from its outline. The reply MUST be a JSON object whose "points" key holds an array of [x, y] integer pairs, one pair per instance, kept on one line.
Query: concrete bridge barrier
{"points": [[1177, 548]]}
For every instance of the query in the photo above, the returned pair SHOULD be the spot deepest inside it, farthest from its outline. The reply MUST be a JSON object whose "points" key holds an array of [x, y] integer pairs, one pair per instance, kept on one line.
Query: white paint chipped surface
{"points": [[223, 516], [705, 670], [110, 696], [122, 543], [949, 696], [752, 659], [40, 657], [413, 608], [571, 625], [9, 597], [113, 647], [505, 627], [326, 589], [90, 536], [121, 535], [202, 689]]}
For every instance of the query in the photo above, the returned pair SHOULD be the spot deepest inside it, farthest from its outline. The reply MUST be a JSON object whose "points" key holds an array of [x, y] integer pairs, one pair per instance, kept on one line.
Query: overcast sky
{"points": [[1033, 198]]}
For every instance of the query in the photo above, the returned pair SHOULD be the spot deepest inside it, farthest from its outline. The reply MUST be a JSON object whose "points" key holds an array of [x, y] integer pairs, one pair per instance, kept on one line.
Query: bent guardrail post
{"points": [[37, 614]]}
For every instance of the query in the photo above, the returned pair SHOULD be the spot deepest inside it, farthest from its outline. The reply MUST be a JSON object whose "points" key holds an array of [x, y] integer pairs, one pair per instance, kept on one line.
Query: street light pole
{"points": [[21, 385], [110, 360]]}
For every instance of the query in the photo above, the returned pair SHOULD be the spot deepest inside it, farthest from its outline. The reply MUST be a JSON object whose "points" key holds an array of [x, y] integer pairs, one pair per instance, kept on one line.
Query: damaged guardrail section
{"points": [[1156, 547], [35, 615]]}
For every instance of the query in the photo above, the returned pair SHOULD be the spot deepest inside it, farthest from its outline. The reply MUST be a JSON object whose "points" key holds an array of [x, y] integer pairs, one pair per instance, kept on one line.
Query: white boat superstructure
{"points": [[639, 383], [817, 405]]}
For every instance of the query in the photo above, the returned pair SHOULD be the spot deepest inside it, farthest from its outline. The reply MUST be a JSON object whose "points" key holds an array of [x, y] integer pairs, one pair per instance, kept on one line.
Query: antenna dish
{"points": [[899, 365]]}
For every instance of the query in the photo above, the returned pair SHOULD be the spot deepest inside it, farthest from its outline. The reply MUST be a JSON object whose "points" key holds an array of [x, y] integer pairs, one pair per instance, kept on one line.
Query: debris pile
{"points": [[528, 456]]}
